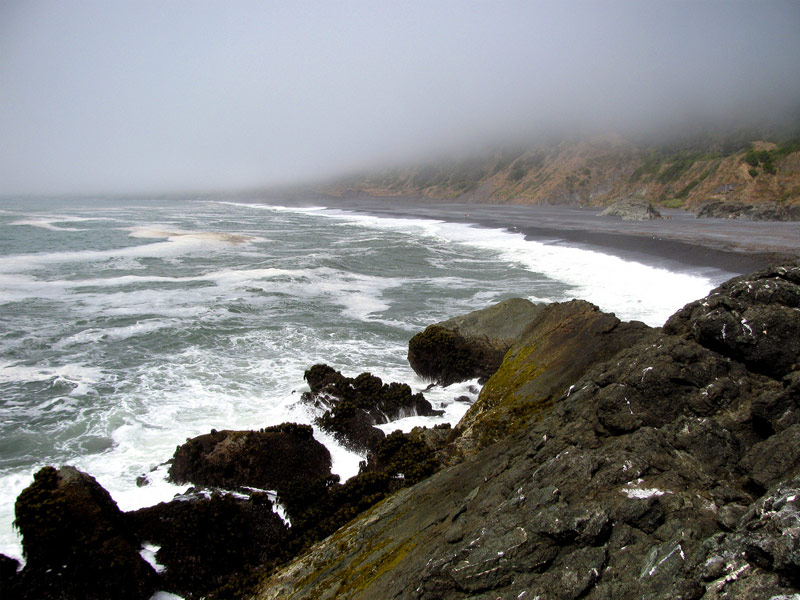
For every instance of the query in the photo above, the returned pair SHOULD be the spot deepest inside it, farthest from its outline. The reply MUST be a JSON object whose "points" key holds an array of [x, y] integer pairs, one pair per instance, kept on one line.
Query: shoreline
{"points": [[680, 242]]}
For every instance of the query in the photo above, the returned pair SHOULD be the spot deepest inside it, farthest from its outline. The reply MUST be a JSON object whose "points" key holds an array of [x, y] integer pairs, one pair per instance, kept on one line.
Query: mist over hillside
{"points": [[678, 171], [150, 97]]}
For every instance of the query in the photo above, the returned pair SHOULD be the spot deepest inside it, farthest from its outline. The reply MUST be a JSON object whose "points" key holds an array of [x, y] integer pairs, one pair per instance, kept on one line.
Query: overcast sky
{"points": [[146, 96]]}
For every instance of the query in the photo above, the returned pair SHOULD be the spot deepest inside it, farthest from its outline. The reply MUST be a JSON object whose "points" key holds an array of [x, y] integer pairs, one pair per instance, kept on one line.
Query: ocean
{"points": [[128, 326]]}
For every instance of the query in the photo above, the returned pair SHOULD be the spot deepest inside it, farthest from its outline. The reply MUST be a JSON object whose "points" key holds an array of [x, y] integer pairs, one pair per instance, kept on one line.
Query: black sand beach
{"points": [[678, 242]]}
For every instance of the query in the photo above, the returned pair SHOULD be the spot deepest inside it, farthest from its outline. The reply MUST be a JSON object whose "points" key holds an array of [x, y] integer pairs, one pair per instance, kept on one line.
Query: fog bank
{"points": [[149, 96]]}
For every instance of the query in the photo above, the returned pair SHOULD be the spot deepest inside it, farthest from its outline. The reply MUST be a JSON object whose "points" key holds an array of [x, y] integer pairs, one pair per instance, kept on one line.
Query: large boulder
{"points": [[754, 319], [470, 346], [267, 459], [632, 209], [204, 541], [762, 211], [76, 542], [354, 405], [561, 343]]}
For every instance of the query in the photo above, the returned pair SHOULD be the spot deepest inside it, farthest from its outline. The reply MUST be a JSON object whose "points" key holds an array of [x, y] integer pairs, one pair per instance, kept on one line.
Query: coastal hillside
{"points": [[599, 171]]}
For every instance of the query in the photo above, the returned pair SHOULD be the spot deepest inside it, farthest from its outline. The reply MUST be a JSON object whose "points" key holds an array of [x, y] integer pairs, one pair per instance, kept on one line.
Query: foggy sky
{"points": [[188, 95]]}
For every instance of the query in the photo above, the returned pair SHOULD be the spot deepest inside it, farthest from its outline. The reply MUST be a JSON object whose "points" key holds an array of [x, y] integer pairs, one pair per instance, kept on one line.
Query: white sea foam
{"points": [[177, 244], [50, 222], [72, 372], [632, 290]]}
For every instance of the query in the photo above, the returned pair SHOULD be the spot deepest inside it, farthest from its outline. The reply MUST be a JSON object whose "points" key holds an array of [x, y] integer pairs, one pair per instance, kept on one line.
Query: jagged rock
{"points": [[763, 211], [472, 345], [204, 541], [774, 459], [355, 405], [76, 542], [643, 478], [754, 319], [632, 209], [8, 571], [558, 346], [404, 457], [267, 459]]}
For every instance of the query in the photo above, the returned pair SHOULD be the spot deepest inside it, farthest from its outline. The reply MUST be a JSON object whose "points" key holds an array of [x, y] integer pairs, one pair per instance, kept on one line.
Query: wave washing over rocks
{"points": [[603, 459]]}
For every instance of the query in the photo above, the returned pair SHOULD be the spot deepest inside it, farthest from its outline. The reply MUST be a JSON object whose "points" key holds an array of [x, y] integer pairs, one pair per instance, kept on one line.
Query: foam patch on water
{"points": [[50, 222], [177, 244]]}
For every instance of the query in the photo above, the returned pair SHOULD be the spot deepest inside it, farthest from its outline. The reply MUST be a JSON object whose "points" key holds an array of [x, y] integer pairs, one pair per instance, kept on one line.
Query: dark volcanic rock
{"points": [[8, 571], [754, 319], [661, 470], [204, 541], [563, 341], [267, 459], [472, 345], [632, 209], [354, 405], [76, 542]]}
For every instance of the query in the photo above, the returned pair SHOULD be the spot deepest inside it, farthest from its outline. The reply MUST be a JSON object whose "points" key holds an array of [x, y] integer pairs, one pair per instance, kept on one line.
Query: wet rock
{"points": [[355, 405], [76, 542], [269, 459], [470, 346], [563, 341], [406, 458], [754, 319], [632, 209], [204, 541], [8, 571], [774, 459]]}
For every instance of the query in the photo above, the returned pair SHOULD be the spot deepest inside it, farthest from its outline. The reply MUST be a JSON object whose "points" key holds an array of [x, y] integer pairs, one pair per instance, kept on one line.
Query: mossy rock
{"points": [[266, 459], [76, 542], [561, 344], [470, 346]]}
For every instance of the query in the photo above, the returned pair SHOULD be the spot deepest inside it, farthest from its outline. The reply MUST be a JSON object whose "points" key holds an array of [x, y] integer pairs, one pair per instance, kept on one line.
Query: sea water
{"points": [[128, 326]]}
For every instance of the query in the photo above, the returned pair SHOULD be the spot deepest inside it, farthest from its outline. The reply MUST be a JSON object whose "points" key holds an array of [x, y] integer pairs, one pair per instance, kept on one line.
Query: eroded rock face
{"points": [[355, 405], [470, 346], [754, 319], [76, 542], [632, 209], [764, 211], [267, 459]]}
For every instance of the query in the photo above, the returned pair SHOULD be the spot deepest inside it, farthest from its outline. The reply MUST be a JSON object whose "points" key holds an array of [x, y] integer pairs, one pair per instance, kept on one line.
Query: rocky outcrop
{"points": [[470, 346], [271, 458], [721, 209], [76, 542], [632, 209], [203, 541], [666, 470], [754, 319], [354, 405], [561, 343]]}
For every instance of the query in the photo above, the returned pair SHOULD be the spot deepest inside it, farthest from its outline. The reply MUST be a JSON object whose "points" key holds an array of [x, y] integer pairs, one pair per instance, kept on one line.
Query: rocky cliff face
{"points": [[668, 468], [600, 171]]}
